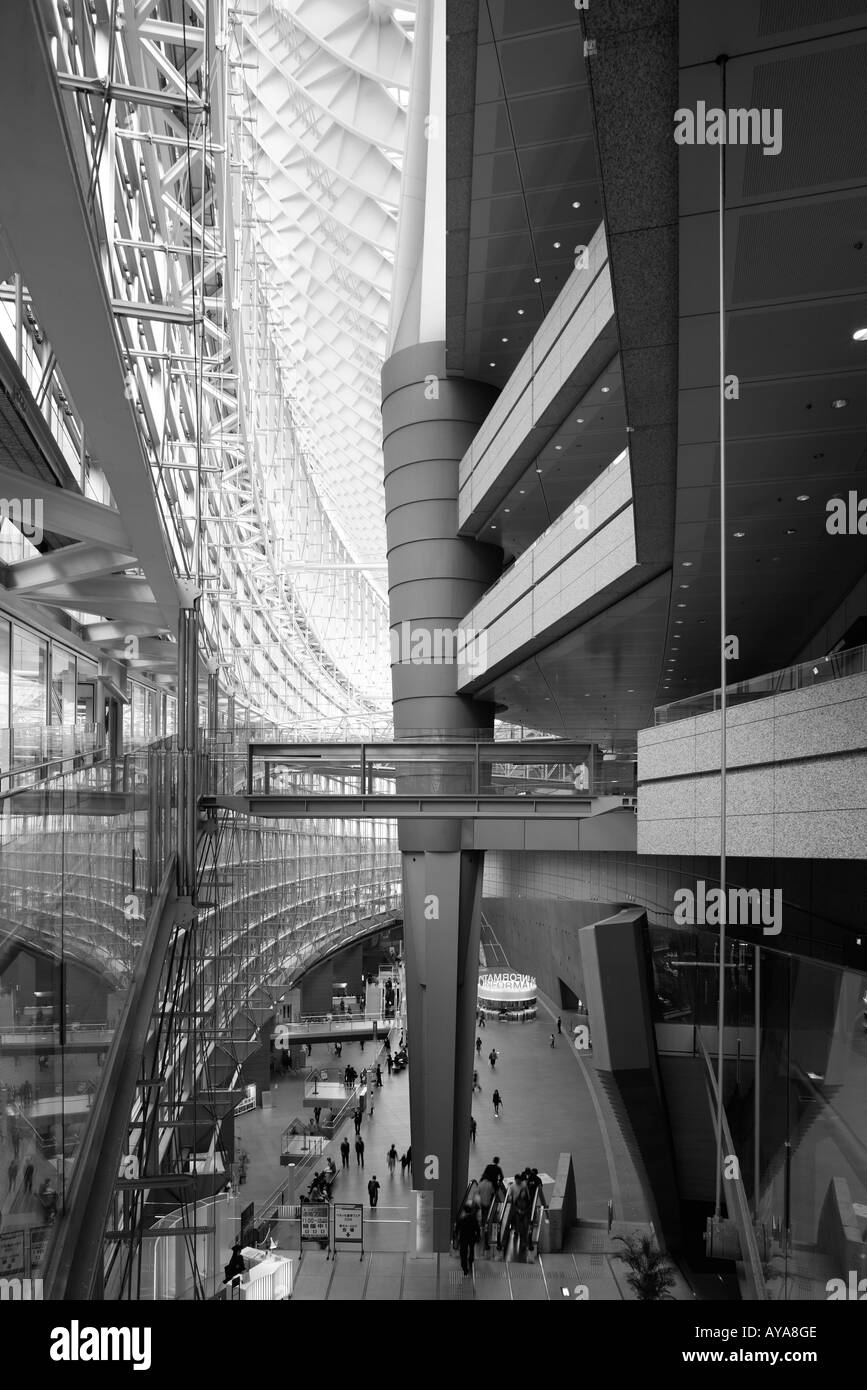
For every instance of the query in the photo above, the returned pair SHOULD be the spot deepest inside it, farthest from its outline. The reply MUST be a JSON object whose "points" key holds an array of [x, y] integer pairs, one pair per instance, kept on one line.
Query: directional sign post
{"points": [[349, 1225]]}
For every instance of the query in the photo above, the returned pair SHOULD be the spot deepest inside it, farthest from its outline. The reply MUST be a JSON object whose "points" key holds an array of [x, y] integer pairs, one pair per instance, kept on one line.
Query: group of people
{"points": [[320, 1188], [473, 1222], [46, 1194], [496, 1098], [391, 1161]]}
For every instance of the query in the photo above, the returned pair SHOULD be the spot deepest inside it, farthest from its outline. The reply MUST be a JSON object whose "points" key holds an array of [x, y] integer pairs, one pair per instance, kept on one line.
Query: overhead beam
{"points": [[70, 564], [136, 96], [67, 513], [53, 243]]}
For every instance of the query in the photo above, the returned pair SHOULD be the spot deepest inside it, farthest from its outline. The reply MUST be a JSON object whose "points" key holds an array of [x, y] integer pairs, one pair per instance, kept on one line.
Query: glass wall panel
{"points": [[29, 679], [63, 686], [4, 674]]}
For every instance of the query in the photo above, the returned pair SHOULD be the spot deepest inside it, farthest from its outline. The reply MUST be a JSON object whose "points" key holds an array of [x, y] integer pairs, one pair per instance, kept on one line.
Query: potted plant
{"points": [[650, 1275]]}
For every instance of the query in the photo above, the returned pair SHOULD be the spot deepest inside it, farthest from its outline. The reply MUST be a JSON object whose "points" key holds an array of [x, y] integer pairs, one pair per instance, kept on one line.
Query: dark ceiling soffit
{"points": [[632, 74], [484, 686], [462, 25]]}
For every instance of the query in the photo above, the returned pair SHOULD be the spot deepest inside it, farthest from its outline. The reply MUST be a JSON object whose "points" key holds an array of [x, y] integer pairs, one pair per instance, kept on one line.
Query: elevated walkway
{"points": [[509, 795], [333, 1028]]}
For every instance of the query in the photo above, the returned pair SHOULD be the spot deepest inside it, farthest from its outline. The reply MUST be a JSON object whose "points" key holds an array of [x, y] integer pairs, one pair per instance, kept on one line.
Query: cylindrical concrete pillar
{"points": [[435, 578], [434, 575]]}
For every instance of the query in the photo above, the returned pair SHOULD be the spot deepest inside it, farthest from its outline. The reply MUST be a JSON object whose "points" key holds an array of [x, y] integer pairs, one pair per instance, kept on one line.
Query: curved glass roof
{"points": [[327, 87]]}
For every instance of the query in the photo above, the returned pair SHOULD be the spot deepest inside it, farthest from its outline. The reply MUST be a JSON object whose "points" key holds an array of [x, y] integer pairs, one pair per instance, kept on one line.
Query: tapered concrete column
{"points": [[435, 577]]}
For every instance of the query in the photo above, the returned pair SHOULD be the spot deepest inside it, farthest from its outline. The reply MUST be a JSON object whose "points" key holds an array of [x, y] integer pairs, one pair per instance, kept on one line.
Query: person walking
{"points": [[494, 1172], [28, 1175], [472, 1129], [344, 1153], [559, 1024], [378, 1074], [391, 1160], [317, 1111], [359, 1152], [467, 1233], [492, 1057], [389, 1063], [373, 1191], [479, 1046], [553, 1040], [371, 1099], [477, 1085], [356, 1119], [498, 1101], [482, 1019], [486, 1193], [12, 1173], [521, 1208], [409, 1158], [404, 1164]]}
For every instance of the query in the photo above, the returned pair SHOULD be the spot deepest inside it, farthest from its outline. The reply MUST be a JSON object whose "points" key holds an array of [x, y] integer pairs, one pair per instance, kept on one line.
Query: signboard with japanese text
{"points": [[12, 1253], [348, 1221], [314, 1221]]}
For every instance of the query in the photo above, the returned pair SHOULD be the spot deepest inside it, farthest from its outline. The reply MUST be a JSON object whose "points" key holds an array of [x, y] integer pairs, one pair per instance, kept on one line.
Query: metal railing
{"points": [[800, 677], [37, 752]]}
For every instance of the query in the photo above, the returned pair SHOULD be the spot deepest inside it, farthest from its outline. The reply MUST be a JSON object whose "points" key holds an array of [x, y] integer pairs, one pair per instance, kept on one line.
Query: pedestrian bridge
{"points": [[332, 1028], [528, 795]]}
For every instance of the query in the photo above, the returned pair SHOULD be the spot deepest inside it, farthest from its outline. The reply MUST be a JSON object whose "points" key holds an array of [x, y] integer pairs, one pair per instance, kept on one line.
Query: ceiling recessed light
{"points": [[521, 491], [537, 280], [678, 620], [681, 605], [492, 364], [538, 470], [739, 535], [504, 340], [683, 586], [790, 531], [521, 311], [839, 403], [803, 497], [558, 447], [493, 527], [507, 510], [579, 420], [860, 335], [630, 691], [687, 564], [577, 205], [557, 245]]}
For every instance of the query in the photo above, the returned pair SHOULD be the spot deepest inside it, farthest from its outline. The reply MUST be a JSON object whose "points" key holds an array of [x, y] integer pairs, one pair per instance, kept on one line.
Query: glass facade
{"points": [[795, 1082]]}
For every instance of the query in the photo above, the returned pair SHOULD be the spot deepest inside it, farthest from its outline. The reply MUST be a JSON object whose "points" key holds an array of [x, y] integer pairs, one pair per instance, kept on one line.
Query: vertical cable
{"points": [[722, 655]]}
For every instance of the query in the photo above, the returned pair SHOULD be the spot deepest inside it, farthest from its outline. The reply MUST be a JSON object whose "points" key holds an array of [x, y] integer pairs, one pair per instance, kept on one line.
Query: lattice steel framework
{"points": [[252, 334]]}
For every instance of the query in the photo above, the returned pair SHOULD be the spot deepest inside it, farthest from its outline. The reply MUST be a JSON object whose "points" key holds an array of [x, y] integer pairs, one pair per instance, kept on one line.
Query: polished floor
{"points": [[552, 1104]]}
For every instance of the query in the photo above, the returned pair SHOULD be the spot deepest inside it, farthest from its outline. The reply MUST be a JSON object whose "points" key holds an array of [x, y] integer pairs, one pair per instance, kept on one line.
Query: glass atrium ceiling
{"points": [[326, 88]]}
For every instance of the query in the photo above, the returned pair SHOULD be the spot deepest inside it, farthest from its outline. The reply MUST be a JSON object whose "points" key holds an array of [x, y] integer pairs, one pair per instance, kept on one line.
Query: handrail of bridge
{"points": [[489, 769], [333, 1022]]}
